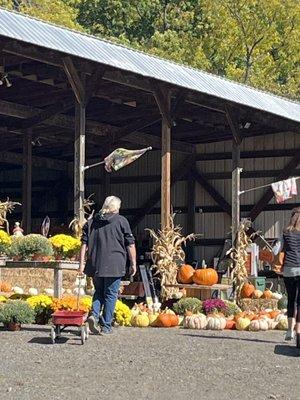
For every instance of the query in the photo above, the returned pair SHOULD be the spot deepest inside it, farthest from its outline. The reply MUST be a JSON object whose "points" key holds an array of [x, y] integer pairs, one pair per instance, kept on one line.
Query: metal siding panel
{"points": [[29, 30]]}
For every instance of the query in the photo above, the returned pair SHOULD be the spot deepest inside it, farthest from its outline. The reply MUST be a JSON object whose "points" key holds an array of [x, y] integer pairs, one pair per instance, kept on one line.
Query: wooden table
{"points": [[57, 266], [202, 292]]}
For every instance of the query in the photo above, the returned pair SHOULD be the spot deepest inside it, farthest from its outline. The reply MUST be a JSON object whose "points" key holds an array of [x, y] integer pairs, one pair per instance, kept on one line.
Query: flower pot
{"points": [[13, 326]]}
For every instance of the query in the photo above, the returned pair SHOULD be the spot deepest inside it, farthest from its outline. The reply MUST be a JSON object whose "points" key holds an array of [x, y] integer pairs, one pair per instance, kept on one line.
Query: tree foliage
{"points": [[251, 41]]}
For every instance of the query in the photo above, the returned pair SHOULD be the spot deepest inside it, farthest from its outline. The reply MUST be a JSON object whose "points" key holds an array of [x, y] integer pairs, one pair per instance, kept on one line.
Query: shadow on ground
{"points": [[231, 338], [289, 351], [47, 340]]}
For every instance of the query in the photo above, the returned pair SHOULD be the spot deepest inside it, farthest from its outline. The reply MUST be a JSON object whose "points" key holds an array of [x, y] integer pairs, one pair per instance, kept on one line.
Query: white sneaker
{"points": [[290, 335]]}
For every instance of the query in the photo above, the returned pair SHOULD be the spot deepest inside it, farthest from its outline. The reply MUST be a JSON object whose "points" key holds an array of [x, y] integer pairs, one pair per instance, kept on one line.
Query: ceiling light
{"points": [[247, 125]]}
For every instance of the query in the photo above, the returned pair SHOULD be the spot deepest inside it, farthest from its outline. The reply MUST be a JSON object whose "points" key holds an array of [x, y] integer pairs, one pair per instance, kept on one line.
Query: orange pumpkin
{"points": [[174, 320], [185, 274], [5, 287], [267, 294], [274, 313], [164, 320], [230, 324], [205, 276], [247, 290]]}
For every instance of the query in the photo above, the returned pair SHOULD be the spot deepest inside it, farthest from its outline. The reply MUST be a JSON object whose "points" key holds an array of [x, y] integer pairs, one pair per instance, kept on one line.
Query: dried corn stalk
{"points": [[75, 224], [5, 208], [239, 256], [167, 254]]}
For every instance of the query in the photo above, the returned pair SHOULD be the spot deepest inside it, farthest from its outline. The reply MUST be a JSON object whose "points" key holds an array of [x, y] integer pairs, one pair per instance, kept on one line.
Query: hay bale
{"points": [[258, 304], [36, 277]]}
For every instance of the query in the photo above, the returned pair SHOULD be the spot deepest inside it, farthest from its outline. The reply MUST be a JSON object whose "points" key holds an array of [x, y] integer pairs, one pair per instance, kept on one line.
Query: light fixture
{"points": [[247, 125]]}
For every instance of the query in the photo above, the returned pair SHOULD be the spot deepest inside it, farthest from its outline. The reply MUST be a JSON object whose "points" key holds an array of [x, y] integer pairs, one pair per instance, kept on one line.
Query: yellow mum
{"points": [[65, 245]]}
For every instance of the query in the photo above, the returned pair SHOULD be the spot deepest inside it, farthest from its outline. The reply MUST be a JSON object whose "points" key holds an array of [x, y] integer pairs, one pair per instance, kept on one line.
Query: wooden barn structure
{"points": [[68, 99]]}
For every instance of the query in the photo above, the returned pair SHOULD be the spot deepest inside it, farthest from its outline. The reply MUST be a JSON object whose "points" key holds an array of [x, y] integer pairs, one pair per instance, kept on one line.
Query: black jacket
{"points": [[107, 238]]}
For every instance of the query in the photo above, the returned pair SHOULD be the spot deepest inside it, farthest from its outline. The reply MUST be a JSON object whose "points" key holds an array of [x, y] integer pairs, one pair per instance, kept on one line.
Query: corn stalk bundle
{"points": [[239, 255], [5, 208], [77, 225], [167, 254]]}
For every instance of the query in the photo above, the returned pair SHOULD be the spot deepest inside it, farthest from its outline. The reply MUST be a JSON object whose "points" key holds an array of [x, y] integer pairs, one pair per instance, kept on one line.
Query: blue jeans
{"points": [[105, 297]]}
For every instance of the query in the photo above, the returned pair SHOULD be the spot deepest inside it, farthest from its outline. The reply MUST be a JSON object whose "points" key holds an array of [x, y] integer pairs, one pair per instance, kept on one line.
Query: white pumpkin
{"points": [[195, 321], [276, 296], [79, 291], [17, 290], [279, 318], [259, 325], [49, 291], [216, 323], [68, 291], [33, 291]]}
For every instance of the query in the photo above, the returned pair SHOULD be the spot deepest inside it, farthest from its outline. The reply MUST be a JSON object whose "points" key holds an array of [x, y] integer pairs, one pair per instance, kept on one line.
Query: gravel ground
{"points": [[158, 364]]}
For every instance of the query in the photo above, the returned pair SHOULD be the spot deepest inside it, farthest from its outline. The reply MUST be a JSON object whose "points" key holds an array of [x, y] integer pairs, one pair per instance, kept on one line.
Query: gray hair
{"points": [[111, 204]]}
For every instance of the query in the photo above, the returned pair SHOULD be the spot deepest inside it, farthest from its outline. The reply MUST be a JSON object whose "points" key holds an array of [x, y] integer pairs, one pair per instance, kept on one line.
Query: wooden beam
{"points": [[45, 114], [190, 216], [166, 167], [59, 120], [216, 196], [146, 208], [248, 154], [93, 83], [37, 162], [79, 160], [235, 188], [27, 182], [163, 101], [234, 129], [74, 79], [284, 174]]}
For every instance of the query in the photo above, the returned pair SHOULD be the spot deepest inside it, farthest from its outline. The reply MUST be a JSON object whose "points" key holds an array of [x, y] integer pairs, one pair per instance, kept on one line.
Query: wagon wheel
{"points": [[52, 334], [83, 334], [57, 331], [87, 333]]}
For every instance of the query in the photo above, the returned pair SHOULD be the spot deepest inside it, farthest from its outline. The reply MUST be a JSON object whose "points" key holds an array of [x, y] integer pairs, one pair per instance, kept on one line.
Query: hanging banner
{"points": [[119, 158]]}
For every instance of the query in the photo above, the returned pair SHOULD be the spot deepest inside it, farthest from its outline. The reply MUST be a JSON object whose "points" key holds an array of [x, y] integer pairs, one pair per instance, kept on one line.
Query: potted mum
{"points": [[42, 306], [5, 242], [14, 313], [31, 247], [65, 246]]}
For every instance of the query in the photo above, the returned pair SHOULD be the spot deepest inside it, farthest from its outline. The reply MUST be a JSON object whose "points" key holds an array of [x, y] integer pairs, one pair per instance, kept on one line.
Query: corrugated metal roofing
{"points": [[33, 31]]}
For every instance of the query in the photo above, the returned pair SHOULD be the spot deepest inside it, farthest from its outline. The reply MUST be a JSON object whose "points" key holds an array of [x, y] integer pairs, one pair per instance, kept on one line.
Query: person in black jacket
{"points": [[289, 243], [106, 241]]}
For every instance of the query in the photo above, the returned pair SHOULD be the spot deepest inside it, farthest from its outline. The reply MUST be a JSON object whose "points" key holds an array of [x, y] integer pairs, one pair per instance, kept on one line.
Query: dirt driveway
{"points": [[158, 364]]}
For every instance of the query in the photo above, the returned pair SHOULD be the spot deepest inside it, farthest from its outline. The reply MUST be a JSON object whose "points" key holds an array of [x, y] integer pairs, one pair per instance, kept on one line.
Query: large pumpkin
{"points": [[216, 323], [247, 290], [164, 321], [185, 274], [259, 325], [196, 321], [205, 276]]}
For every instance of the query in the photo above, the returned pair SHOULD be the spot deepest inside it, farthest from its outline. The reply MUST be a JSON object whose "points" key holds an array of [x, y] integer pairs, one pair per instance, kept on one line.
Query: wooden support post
{"points": [[58, 282], [166, 168], [191, 204], [235, 198], [27, 182], [79, 160]]}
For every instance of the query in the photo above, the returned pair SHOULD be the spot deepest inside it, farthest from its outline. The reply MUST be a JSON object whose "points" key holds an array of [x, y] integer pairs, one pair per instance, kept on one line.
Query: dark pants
{"points": [[293, 294], [105, 297]]}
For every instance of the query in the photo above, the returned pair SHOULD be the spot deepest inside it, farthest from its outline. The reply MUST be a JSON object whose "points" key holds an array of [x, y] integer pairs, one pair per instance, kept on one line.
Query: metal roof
{"points": [[40, 33]]}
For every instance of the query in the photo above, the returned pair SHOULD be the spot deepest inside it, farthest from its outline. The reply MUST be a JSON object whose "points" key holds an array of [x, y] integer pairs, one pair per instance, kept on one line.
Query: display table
{"points": [[202, 292], [57, 266]]}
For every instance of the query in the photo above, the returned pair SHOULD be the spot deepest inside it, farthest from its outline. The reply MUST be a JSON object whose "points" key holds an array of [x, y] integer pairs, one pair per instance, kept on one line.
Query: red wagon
{"points": [[63, 319]]}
